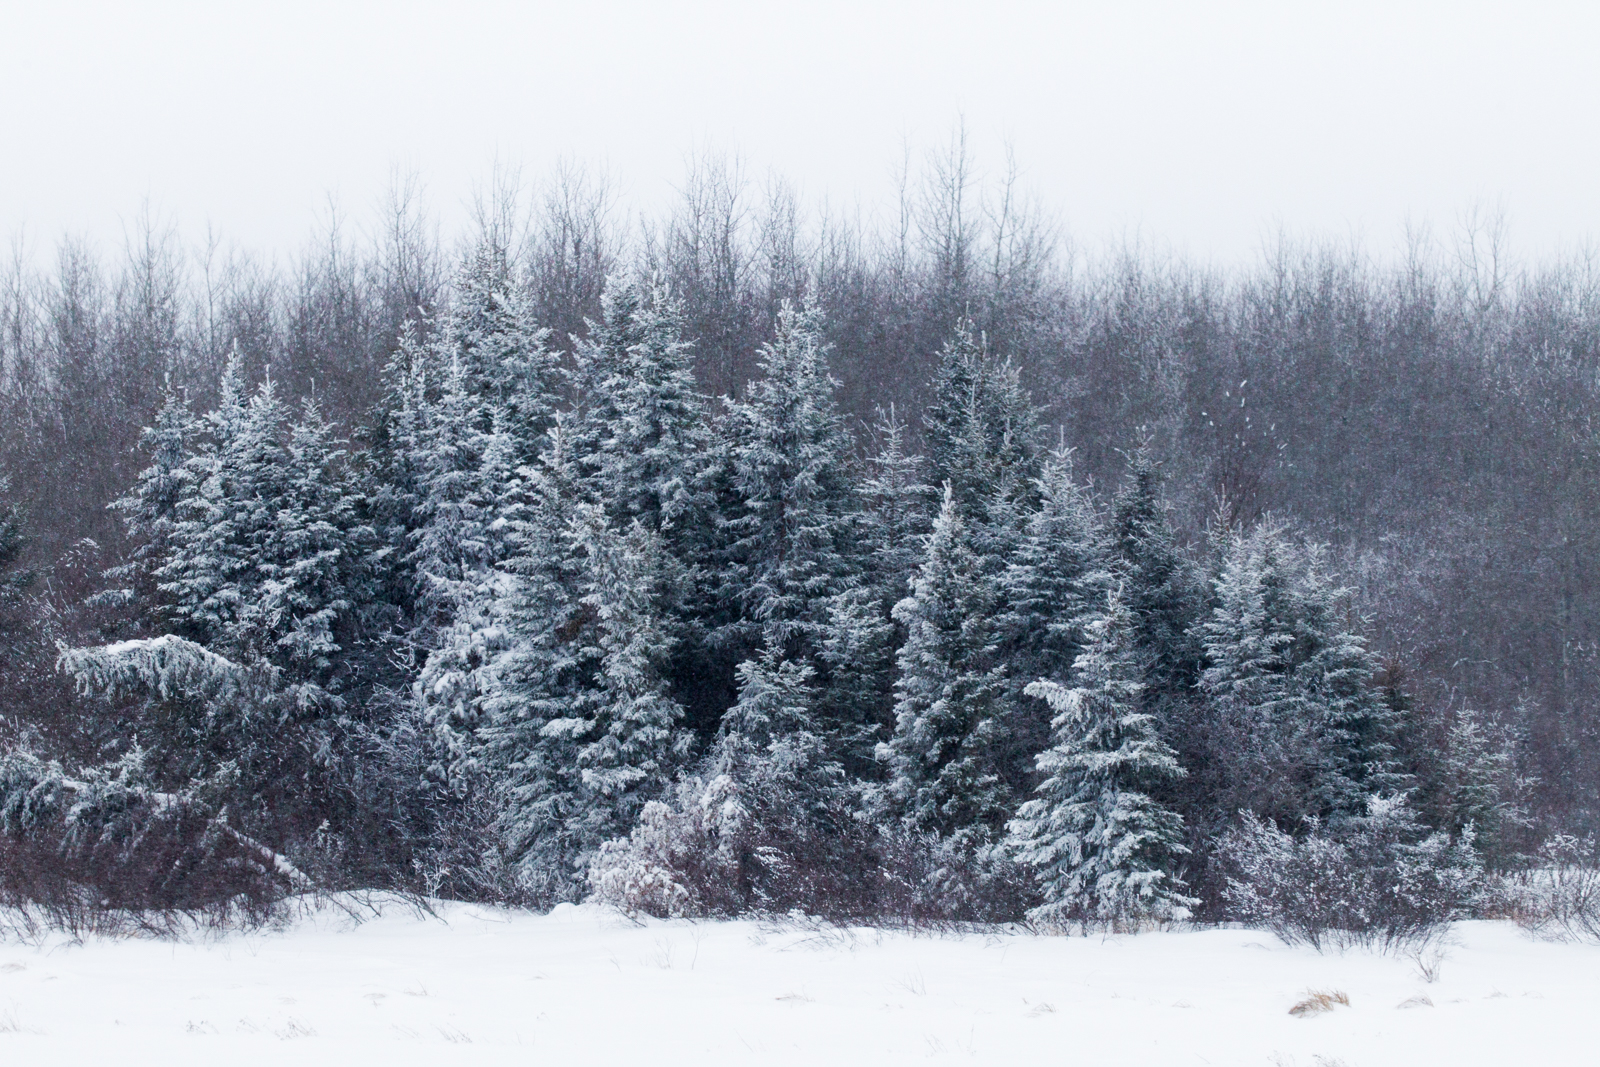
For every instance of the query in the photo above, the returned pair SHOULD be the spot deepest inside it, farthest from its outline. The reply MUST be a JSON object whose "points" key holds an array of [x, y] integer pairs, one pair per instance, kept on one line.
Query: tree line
{"points": [[747, 565]]}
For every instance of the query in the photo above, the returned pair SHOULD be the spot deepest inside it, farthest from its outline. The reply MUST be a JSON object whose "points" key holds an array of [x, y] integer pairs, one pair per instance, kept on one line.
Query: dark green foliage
{"points": [[1160, 585], [1056, 580], [945, 756]]}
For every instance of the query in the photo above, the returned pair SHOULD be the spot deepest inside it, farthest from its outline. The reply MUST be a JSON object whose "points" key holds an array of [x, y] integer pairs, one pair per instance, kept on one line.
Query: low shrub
{"points": [[719, 849], [1380, 879], [1559, 896]]}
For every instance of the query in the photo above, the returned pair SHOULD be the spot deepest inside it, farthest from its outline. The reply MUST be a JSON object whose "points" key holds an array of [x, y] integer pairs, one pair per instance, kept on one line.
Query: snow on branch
{"points": [[35, 793], [168, 665]]}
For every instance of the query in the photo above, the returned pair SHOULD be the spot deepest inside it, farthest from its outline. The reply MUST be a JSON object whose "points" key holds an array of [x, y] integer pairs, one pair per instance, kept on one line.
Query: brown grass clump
{"points": [[1318, 1001]]}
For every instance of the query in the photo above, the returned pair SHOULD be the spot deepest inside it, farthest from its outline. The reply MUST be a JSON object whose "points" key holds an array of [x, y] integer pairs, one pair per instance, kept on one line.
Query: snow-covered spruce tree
{"points": [[394, 478], [944, 758], [631, 744], [1160, 587], [1165, 593], [863, 636], [1482, 787], [1102, 848], [982, 433], [1055, 581], [509, 372], [787, 515], [251, 696], [150, 509], [787, 532], [1358, 728], [469, 481], [267, 554], [639, 445], [535, 674], [497, 396], [1295, 728], [579, 730], [1259, 743], [639, 440], [766, 825], [774, 761]]}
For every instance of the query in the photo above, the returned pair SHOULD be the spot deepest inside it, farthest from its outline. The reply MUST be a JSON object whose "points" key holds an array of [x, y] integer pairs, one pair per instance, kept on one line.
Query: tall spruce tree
{"points": [[252, 693], [149, 510], [1056, 580], [944, 759], [774, 764], [639, 440], [863, 635], [1102, 847], [640, 444], [1161, 588], [489, 389], [266, 548], [788, 531], [982, 433], [579, 730], [537, 677], [1163, 591], [1295, 726]]}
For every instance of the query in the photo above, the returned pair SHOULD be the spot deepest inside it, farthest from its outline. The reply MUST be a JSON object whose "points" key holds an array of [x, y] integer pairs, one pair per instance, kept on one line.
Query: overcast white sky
{"points": [[1201, 126]]}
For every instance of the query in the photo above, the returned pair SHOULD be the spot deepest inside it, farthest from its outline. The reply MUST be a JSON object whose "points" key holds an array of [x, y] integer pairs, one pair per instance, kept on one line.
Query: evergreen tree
{"points": [[1056, 580], [1163, 591], [469, 482], [266, 549], [788, 531], [627, 739], [1482, 788], [773, 762], [640, 444], [579, 731], [323, 579], [1102, 847], [534, 680], [773, 748], [1296, 728], [496, 400], [149, 511], [640, 438], [982, 433], [1160, 587], [944, 758], [253, 692], [863, 636], [395, 478], [898, 512], [1259, 740], [510, 377], [1358, 729]]}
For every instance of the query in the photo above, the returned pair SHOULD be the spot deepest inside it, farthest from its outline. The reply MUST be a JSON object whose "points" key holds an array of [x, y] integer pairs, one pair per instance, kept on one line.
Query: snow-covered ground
{"points": [[584, 985]]}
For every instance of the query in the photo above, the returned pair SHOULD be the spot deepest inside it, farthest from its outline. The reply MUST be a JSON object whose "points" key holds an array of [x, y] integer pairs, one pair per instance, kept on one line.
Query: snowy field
{"points": [[585, 986]]}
